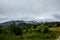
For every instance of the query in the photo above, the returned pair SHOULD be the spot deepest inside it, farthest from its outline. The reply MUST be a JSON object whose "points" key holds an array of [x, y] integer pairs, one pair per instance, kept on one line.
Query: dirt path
{"points": [[58, 38]]}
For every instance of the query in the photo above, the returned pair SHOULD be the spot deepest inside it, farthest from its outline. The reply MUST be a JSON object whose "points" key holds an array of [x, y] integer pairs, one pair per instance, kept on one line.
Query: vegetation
{"points": [[27, 32], [56, 29]]}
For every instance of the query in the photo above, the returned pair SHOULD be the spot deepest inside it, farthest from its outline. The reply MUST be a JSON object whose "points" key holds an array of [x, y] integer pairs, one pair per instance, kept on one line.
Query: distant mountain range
{"points": [[28, 19], [18, 22], [30, 22]]}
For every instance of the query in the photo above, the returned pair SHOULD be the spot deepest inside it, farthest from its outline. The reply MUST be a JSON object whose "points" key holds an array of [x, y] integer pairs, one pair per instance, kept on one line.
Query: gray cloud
{"points": [[57, 16], [29, 8]]}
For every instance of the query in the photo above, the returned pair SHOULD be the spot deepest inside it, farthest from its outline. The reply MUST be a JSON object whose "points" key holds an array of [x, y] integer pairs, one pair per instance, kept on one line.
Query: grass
{"points": [[53, 35], [56, 29], [39, 36]]}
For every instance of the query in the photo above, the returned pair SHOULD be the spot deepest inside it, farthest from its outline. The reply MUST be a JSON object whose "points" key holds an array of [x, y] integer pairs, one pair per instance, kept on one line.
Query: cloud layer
{"points": [[17, 9]]}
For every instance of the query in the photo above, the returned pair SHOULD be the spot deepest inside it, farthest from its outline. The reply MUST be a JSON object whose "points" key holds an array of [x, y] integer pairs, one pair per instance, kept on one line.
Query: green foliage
{"points": [[25, 32], [40, 36], [4, 30], [1, 26], [16, 29], [35, 26], [44, 28], [9, 37]]}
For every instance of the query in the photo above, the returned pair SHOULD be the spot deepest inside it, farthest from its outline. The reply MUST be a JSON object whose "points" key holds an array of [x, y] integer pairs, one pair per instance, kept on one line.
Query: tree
{"points": [[44, 28], [15, 29]]}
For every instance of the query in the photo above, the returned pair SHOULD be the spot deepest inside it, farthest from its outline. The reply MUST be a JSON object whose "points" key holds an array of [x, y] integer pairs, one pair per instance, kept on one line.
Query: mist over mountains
{"points": [[28, 19], [37, 19], [2, 20], [48, 21]]}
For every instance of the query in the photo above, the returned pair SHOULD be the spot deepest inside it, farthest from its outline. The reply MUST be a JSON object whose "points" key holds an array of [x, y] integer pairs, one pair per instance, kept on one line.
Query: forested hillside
{"points": [[25, 31]]}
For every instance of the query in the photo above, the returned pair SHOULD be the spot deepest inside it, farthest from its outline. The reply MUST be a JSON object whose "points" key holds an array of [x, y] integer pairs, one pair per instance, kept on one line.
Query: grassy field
{"points": [[56, 29]]}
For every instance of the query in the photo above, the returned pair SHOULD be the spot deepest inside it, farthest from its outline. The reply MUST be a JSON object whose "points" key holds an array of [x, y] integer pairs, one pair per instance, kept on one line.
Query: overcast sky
{"points": [[21, 9]]}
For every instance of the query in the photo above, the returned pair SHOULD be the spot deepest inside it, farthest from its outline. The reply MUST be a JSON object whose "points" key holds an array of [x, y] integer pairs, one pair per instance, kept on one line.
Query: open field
{"points": [[57, 29]]}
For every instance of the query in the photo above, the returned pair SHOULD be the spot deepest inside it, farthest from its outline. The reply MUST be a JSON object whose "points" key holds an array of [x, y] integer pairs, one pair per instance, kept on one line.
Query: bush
{"points": [[44, 28], [16, 30], [9, 37], [4, 31]]}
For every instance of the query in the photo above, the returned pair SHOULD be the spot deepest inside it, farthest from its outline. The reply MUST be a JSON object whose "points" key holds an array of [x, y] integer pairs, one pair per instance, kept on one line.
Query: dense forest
{"points": [[25, 31]]}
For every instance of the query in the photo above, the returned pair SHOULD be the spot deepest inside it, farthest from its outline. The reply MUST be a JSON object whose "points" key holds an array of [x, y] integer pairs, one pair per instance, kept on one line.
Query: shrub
{"points": [[4, 31], [44, 28], [16, 30]]}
